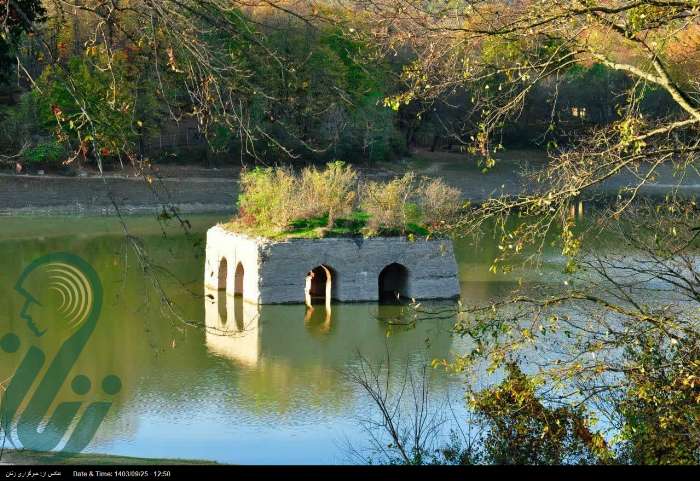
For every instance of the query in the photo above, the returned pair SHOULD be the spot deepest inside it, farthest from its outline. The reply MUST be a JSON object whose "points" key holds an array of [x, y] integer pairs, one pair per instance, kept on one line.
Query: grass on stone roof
{"points": [[354, 225]]}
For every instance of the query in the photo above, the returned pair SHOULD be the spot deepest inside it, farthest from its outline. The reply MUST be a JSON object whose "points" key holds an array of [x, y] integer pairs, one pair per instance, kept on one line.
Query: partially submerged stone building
{"points": [[265, 271]]}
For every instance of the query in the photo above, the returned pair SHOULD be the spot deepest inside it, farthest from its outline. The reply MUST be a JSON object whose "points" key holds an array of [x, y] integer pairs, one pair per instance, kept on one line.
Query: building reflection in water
{"points": [[299, 339], [318, 318], [233, 327]]}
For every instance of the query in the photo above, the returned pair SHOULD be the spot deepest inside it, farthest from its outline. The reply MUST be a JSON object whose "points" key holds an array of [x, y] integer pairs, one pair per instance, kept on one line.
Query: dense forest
{"points": [[124, 81]]}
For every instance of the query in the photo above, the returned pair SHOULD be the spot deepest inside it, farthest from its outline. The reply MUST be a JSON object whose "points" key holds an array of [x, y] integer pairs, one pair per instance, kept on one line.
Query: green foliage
{"points": [[361, 79], [330, 192], [332, 92], [388, 205], [89, 106], [23, 129], [439, 203], [289, 90], [571, 246], [660, 411], [272, 198], [51, 153], [99, 103], [316, 227], [21, 124], [661, 404], [324, 202], [501, 51], [647, 16], [352, 224], [323, 92], [407, 205], [267, 197], [522, 430]]}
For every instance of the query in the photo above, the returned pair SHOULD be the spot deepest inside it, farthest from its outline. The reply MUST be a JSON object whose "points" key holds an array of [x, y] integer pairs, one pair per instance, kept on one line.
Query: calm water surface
{"points": [[277, 394]]}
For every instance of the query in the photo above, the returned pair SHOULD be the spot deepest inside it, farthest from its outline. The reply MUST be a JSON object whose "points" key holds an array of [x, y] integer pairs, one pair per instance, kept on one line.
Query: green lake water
{"points": [[278, 394]]}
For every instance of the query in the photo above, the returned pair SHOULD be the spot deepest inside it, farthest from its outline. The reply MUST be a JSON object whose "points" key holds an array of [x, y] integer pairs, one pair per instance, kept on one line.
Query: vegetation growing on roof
{"points": [[278, 202]]}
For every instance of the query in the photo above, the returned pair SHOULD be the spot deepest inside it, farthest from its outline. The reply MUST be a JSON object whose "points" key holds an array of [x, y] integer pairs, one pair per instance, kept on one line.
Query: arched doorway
{"points": [[238, 297], [223, 273], [238, 284], [221, 300], [393, 283], [320, 285]]}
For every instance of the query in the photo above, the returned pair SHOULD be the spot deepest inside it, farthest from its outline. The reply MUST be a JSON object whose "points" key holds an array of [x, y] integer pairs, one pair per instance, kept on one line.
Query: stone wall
{"points": [[275, 271]]}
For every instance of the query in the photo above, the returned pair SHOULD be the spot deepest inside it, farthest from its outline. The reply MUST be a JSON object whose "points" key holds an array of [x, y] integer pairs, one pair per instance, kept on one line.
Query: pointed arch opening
{"points": [[238, 277], [393, 283], [223, 274], [321, 284], [238, 284], [221, 297]]}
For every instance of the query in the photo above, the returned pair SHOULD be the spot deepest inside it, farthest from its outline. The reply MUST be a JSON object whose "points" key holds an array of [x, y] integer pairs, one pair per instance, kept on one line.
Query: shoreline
{"points": [[197, 190], [97, 196], [156, 207], [13, 457], [79, 210]]}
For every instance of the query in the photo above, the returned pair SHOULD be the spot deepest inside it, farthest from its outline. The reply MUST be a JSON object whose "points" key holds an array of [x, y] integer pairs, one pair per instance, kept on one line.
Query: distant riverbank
{"points": [[51, 195], [191, 189]]}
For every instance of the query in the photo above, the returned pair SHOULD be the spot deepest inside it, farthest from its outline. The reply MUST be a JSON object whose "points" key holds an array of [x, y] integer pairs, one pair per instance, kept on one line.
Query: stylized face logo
{"points": [[58, 297], [63, 297]]}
